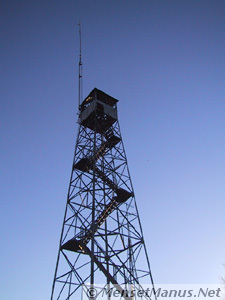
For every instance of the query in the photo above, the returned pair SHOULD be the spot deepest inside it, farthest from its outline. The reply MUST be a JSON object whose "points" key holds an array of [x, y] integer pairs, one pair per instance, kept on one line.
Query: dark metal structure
{"points": [[101, 240]]}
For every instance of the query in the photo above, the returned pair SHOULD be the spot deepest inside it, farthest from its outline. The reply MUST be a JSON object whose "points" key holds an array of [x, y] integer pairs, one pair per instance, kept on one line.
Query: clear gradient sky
{"points": [[165, 62]]}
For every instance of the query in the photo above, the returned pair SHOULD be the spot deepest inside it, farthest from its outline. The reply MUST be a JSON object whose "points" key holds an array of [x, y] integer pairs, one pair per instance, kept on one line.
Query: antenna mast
{"points": [[80, 71]]}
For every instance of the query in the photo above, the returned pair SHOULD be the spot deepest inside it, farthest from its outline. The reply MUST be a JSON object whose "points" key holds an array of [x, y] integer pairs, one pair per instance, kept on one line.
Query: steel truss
{"points": [[101, 240]]}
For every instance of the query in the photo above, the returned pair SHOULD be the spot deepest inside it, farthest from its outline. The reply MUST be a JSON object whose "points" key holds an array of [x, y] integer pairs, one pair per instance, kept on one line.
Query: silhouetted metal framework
{"points": [[101, 240]]}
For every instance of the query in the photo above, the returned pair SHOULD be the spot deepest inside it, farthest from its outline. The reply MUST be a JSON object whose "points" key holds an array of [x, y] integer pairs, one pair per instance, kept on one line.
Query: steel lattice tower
{"points": [[101, 240]]}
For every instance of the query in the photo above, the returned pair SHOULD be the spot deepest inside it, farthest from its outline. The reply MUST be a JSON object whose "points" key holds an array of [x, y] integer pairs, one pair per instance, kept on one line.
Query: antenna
{"points": [[80, 96]]}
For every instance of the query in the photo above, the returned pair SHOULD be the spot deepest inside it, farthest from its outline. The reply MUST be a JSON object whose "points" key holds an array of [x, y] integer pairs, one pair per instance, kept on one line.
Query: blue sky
{"points": [[165, 62]]}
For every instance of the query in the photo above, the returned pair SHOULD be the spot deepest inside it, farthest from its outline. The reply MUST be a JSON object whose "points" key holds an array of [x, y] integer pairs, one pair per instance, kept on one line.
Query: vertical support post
{"points": [[93, 201]]}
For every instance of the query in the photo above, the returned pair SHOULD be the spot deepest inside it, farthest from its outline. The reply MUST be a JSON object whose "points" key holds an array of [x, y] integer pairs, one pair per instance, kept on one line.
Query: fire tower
{"points": [[101, 241]]}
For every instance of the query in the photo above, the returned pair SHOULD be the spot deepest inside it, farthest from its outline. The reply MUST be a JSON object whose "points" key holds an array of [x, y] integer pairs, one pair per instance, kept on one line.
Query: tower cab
{"points": [[98, 111]]}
